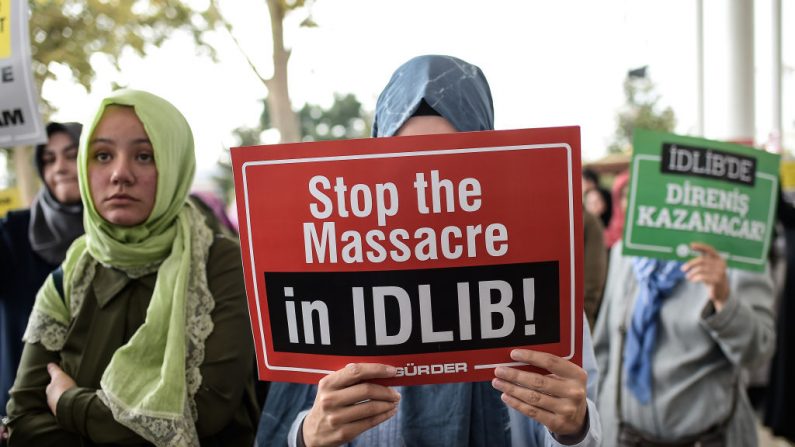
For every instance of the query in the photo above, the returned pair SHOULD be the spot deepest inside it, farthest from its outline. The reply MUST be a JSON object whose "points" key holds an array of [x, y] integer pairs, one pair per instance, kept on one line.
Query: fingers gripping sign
{"points": [[347, 405], [709, 268], [557, 400]]}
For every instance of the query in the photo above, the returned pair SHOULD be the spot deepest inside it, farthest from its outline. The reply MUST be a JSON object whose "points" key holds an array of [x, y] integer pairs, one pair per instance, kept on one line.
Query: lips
{"points": [[121, 198]]}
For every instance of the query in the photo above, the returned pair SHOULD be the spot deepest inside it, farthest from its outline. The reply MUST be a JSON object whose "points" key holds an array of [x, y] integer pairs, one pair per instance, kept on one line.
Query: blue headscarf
{"points": [[469, 414], [455, 89], [466, 414], [656, 280]]}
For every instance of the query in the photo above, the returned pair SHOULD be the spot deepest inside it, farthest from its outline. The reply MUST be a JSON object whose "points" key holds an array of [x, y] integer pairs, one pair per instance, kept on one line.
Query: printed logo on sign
{"points": [[5, 28], [411, 369]]}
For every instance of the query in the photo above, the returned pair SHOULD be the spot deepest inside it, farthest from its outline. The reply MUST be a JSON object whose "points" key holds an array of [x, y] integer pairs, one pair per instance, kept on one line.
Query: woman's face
{"points": [[59, 168], [425, 125], [122, 173], [595, 203]]}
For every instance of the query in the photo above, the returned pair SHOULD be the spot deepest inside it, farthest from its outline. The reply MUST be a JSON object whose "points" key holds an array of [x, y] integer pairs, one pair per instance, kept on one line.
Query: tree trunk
{"points": [[281, 111], [25, 173]]}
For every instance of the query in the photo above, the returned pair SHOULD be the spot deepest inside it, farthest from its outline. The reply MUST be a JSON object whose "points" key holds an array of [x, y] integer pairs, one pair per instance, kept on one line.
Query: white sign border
{"points": [[563, 146], [761, 260]]}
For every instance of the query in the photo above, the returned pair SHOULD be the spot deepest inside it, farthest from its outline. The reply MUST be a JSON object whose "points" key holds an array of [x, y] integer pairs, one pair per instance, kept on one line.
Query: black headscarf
{"points": [[54, 225]]}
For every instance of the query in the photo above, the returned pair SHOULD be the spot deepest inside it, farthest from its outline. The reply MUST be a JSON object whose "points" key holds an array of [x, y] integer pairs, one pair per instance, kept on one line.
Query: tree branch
{"points": [[228, 27]]}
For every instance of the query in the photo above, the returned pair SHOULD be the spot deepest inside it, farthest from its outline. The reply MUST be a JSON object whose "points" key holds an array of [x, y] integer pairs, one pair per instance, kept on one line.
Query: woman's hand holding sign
{"points": [[557, 400], [347, 405], [710, 269]]}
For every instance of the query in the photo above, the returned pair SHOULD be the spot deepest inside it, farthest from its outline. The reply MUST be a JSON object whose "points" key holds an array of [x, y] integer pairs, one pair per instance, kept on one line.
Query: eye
{"points": [[102, 156], [146, 157]]}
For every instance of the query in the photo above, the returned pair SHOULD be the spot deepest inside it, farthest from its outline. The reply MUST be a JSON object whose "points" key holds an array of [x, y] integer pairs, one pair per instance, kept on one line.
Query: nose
{"points": [[122, 173], [62, 164]]}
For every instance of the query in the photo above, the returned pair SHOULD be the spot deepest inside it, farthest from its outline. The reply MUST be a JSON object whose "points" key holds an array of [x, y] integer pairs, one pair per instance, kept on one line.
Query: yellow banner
{"points": [[9, 199], [788, 175], [5, 29]]}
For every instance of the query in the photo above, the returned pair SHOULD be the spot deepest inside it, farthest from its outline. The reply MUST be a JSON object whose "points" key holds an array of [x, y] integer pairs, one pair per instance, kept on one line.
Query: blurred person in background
{"points": [[596, 203], [33, 242], [614, 230], [590, 180], [594, 271], [214, 208], [597, 199], [780, 396]]}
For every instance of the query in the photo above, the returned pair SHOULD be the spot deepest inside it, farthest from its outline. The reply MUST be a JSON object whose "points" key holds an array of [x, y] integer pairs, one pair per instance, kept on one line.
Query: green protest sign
{"points": [[685, 189]]}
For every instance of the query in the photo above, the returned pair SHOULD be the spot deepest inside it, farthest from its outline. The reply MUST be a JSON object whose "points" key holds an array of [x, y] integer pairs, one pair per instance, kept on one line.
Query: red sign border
{"points": [[572, 241]]}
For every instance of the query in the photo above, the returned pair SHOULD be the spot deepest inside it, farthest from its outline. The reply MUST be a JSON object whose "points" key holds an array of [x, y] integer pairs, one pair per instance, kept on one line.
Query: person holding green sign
{"points": [[671, 341]]}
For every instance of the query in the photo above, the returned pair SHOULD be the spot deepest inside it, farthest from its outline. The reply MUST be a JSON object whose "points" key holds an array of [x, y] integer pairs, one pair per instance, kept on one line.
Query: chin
{"points": [[73, 200], [123, 220], [68, 197]]}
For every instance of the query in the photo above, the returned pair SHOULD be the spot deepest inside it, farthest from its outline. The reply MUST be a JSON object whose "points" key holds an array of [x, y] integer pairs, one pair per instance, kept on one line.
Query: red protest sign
{"points": [[436, 254]]}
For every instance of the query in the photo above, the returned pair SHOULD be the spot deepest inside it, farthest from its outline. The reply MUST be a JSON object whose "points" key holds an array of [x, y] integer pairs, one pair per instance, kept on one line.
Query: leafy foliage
{"points": [[641, 111], [71, 31], [345, 119]]}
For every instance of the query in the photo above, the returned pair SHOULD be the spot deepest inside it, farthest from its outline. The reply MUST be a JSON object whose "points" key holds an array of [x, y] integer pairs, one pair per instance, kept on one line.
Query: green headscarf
{"points": [[151, 241], [150, 382]]}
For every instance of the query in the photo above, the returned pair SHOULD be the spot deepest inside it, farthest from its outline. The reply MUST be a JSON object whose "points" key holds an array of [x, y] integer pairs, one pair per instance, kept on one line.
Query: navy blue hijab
{"points": [[455, 89]]}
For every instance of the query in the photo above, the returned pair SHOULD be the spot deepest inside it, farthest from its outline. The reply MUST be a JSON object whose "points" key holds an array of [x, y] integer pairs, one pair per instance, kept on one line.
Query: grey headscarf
{"points": [[455, 89], [54, 225]]}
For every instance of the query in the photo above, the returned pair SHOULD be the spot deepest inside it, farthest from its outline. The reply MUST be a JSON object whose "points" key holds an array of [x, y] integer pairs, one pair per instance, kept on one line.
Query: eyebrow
{"points": [[49, 150], [110, 141]]}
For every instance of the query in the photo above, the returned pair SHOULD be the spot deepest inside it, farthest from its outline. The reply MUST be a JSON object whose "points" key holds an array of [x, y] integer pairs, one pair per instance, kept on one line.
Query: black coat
{"points": [[780, 405], [22, 272]]}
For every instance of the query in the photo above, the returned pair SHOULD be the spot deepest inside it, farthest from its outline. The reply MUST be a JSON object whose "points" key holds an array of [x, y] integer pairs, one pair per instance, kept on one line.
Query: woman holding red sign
{"points": [[432, 95], [141, 337]]}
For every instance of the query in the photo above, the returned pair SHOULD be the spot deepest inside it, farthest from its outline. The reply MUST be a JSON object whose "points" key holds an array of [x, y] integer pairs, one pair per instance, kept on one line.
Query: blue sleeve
{"points": [[527, 432], [589, 362], [285, 401]]}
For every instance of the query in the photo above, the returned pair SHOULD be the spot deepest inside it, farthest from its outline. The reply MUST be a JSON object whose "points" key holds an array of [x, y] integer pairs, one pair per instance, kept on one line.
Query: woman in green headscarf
{"points": [[142, 336]]}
